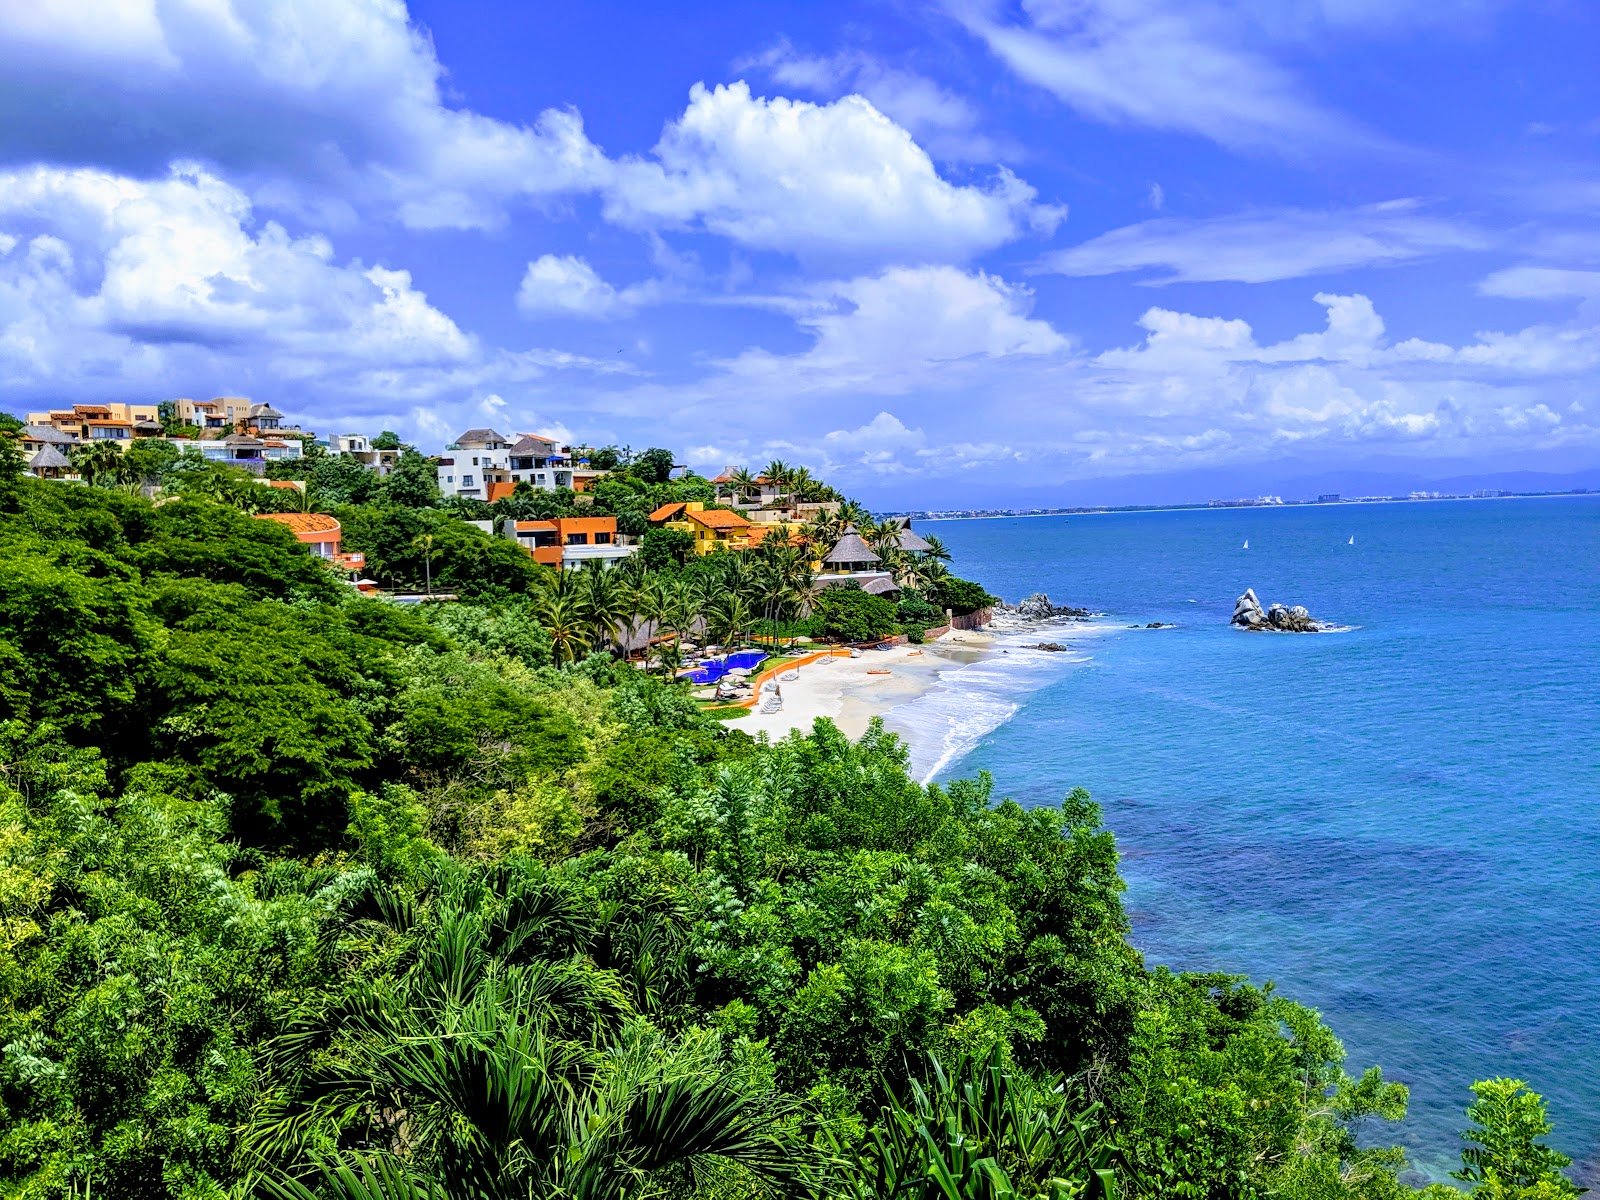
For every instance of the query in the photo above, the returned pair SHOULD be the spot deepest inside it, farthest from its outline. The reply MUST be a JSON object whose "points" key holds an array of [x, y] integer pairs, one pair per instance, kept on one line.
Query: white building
{"points": [[359, 447], [486, 465], [245, 450]]}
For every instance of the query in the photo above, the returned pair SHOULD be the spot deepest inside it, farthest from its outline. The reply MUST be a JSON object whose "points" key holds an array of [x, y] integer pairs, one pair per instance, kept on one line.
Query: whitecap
{"points": [[968, 703]]}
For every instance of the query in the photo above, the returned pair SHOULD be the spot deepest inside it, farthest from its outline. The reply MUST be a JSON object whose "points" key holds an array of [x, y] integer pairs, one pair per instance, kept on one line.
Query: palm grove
{"points": [[307, 895]]}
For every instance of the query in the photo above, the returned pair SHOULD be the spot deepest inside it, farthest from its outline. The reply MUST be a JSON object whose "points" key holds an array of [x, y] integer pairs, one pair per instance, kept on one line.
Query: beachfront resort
{"points": [[750, 586]]}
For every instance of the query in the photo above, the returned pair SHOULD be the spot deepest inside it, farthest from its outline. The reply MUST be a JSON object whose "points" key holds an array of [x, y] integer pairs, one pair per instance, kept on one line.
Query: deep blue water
{"points": [[1399, 824], [714, 669]]}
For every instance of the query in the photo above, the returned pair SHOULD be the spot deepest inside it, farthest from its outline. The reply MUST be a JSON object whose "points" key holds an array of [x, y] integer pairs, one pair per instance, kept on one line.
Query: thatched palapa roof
{"points": [[850, 549], [49, 458]]}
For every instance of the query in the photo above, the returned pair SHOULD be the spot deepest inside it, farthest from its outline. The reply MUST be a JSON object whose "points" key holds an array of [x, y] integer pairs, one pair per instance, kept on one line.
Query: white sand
{"points": [[851, 691]]}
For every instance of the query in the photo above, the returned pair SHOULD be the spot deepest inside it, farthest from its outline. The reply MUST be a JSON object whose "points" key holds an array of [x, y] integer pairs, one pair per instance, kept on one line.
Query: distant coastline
{"points": [[995, 514]]}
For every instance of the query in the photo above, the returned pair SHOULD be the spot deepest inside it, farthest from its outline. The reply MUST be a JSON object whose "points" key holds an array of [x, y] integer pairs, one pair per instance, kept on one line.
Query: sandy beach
{"points": [[851, 691]]}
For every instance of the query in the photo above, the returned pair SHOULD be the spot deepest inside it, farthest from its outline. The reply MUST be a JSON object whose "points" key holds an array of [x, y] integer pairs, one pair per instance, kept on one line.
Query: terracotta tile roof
{"points": [[719, 518], [535, 526], [303, 522], [666, 511], [760, 533], [499, 491]]}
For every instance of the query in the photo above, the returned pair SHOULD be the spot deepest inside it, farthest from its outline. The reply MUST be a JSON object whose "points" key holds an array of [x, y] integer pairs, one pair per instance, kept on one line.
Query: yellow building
{"points": [[710, 528], [113, 414]]}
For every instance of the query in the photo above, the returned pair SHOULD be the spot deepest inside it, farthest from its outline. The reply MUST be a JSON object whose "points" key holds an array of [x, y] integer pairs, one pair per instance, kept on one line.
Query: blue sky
{"points": [[965, 252]]}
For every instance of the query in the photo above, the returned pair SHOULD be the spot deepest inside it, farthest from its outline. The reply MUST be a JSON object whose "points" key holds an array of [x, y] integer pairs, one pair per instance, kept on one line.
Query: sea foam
{"points": [[968, 703]]}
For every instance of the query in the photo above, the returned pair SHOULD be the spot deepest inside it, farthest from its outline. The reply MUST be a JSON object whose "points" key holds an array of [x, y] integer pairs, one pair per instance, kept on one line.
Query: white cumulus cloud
{"points": [[833, 181], [323, 104], [566, 285]]}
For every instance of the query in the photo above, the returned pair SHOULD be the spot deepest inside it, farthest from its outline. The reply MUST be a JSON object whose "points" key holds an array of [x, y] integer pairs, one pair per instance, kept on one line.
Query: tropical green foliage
{"points": [[306, 895], [1507, 1159], [960, 596], [852, 615]]}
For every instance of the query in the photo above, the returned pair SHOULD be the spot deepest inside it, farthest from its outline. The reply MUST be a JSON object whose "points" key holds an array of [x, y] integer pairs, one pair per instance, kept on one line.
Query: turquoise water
{"points": [[1399, 824]]}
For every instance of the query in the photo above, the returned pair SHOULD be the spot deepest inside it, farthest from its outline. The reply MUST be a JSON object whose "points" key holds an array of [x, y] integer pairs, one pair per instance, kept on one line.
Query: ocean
{"points": [[1398, 824]]}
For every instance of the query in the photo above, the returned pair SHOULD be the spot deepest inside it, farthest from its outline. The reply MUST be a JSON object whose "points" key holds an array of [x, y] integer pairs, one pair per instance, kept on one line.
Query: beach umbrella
{"points": [[741, 672]]}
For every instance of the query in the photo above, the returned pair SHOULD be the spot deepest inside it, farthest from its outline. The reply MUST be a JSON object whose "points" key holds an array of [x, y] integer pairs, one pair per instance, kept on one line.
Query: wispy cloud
{"points": [[1180, 65], [1265, 245]]}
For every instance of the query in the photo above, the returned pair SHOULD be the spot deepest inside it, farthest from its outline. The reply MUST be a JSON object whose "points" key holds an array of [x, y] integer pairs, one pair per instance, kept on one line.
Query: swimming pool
{"points": [[716, 668]]}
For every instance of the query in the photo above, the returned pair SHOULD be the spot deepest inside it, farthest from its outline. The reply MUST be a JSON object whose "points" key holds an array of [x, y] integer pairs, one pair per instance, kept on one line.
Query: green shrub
{"points": [[852, 615]]}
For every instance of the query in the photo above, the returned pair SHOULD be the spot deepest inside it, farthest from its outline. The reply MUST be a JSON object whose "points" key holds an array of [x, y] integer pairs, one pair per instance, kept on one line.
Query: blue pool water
{"points": [[716, 668], [1400, 824]]}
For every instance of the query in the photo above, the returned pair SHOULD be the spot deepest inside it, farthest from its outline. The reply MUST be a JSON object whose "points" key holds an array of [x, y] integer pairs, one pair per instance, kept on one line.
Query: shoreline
{"points": [[1120, 510], [851, 691]]}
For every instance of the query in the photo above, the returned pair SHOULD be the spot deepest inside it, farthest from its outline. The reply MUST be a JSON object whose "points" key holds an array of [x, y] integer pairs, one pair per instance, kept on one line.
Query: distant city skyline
{"points": [[953, 256]]}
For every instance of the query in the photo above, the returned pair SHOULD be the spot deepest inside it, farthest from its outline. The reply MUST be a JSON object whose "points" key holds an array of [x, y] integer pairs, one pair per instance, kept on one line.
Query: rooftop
{"points": [[719, 518], [667, 511], [531, 443], [850, 549], [478, 437], [50, 458], [303, 522], [45, 433]]}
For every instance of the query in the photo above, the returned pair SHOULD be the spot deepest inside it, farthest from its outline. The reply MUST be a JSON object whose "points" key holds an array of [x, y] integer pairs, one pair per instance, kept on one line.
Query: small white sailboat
{"points": [[1247, 543], [1352, 540]]}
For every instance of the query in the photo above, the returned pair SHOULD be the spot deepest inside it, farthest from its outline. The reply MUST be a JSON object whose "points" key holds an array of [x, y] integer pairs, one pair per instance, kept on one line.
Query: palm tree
{"points": [[566, 620], [880, 535], [743, 484], [425, 543], [776, 591], [96, 461], [728, 618], [803, 486], [779, 473], [668, 657], [936, 549], [851, 513], [901, 566], [933, 573], [681, 605], [604, 600], [506, 1062]]}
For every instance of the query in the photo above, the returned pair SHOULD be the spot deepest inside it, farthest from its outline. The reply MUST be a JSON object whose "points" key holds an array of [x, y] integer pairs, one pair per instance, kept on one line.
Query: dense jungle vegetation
{"points": [[308, 895]]}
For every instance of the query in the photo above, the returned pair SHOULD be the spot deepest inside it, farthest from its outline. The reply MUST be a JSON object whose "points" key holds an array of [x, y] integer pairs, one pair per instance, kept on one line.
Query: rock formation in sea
{"points": [[1038, 607], [1278, 618]]}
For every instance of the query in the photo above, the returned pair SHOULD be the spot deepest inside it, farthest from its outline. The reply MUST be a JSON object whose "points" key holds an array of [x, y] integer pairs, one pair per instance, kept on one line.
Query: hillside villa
{"points": [[568, 542], [485, 465], [359, 447]]}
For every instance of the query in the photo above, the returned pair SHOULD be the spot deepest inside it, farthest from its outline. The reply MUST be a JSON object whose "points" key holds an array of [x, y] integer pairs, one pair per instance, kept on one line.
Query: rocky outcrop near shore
{"points": [[1036, 609], [1279, 618]]}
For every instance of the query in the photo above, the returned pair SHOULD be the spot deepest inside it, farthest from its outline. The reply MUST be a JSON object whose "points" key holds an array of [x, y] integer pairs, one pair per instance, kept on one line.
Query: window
{"points": [[466, 481], [474, 462], [449, 478], [539, 479], [577, 539], [516, 478], [602, 539]]}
